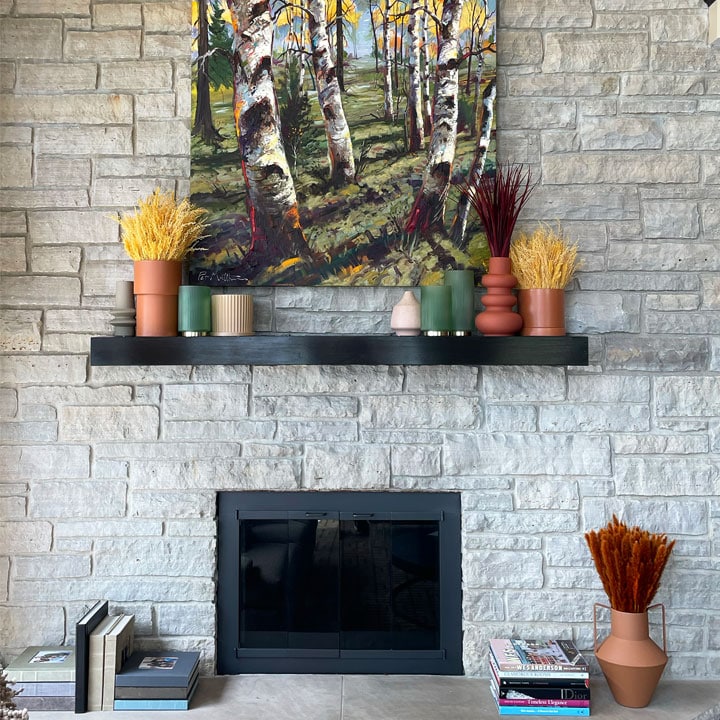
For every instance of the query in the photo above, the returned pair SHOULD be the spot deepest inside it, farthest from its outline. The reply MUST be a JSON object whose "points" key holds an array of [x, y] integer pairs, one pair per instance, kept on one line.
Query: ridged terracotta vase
{"points": [[630, 659], [542, 311], [498, 318], [156, 297]]}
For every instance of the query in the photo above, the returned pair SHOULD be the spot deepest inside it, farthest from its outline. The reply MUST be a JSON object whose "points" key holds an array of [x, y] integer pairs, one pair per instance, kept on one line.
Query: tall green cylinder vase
{"points": [[462, 301]]}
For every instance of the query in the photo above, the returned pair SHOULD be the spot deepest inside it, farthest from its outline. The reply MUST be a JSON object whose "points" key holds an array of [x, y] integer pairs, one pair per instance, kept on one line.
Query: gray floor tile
{"points": [[396, 697]]}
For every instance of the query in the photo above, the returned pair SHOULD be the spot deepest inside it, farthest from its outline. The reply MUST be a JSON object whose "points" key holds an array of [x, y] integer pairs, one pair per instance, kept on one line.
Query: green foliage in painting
{"points": [[220, 72], [296, 119]]}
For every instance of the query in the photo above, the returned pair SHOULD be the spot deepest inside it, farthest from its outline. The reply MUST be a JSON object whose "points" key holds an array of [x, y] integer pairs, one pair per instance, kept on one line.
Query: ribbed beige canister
{"points": [[232, 314]]}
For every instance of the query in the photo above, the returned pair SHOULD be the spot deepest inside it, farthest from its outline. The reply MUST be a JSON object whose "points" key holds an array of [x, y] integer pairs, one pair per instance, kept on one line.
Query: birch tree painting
{"points": [[332, 139]]}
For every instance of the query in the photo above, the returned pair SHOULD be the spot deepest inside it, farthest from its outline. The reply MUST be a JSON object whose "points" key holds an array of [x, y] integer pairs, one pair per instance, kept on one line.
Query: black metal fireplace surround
{"points": [[339, 582]]}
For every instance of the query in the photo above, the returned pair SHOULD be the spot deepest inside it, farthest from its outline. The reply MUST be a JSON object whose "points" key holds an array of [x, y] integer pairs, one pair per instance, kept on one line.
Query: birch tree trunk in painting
{"points": [[416, 129], [476, 92], [459, 227], [340, 45], [272, 203], [388, 111], [426, 69], [342, 162], [203, 123], [429, 206]]}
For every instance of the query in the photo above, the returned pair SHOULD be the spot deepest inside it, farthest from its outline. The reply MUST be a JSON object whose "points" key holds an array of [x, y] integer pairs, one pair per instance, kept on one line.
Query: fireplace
{"points": [[339, 582]]}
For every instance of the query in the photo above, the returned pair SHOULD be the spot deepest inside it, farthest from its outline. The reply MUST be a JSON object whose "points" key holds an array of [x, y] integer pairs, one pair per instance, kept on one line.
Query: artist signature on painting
{"points": [[220, 278]]}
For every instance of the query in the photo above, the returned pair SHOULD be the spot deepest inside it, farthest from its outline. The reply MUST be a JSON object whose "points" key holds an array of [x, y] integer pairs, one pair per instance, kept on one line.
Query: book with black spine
{"points": [[87, 623]]}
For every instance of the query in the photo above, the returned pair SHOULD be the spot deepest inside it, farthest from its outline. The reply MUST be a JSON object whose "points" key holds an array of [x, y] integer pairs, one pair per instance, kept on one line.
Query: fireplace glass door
{"points": [[350, 582]]}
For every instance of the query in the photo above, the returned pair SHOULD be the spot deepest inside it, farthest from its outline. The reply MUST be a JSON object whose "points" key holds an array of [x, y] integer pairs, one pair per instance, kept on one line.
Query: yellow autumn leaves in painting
{"points": [[161, 229], [543, 259]]}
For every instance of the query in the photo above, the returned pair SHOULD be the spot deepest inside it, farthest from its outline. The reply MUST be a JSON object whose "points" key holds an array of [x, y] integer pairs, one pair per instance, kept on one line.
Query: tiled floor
{"points": [[396, 697]]}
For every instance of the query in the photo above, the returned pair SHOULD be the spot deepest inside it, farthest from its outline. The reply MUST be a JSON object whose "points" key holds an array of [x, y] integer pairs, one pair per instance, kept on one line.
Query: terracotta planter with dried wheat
{"points": [[544, 263], [630, 562], [158, 237]]}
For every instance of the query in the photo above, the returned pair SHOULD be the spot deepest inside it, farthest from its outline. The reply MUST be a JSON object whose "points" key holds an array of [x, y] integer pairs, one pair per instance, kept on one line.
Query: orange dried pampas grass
{"points": [[630, 562]]}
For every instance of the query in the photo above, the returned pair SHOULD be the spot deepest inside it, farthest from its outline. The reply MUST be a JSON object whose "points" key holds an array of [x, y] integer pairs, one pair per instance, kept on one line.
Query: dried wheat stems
{"points": [[544, 259], [161, 229], [630, 562]]}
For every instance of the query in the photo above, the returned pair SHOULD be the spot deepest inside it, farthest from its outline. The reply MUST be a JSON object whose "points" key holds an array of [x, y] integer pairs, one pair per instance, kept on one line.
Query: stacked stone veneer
{"points": [[108, 474]]}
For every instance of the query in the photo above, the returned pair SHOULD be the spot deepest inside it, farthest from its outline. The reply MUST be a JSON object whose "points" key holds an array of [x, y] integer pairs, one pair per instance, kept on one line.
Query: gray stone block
{"points": [[595, 52]]}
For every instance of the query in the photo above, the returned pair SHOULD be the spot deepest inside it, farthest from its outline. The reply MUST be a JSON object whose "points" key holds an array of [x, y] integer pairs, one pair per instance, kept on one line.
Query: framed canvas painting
{"points": [[332, 139]]}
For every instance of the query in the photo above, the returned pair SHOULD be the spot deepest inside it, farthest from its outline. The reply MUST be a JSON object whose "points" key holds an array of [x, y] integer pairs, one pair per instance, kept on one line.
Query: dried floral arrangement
{"points": [[8, 707], [630, 562], [162, 228], [498, 201], [544, 259]]}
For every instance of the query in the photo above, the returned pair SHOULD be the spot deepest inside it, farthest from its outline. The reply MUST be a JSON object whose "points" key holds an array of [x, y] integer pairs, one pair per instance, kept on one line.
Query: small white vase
{"points": [[405, 318]]}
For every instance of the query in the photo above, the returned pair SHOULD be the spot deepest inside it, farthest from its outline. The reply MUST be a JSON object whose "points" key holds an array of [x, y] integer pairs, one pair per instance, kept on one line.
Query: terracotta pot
{"points": [[630, 660], [498, 318], [156, 297], [542, 311]]}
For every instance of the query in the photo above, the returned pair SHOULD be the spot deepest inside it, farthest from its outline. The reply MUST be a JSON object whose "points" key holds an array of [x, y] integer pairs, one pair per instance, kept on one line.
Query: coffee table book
{"points": [[541, 658], [46, 677], [158, 703], [538, 679], [87, 623], [43, 664], [169, 668]]}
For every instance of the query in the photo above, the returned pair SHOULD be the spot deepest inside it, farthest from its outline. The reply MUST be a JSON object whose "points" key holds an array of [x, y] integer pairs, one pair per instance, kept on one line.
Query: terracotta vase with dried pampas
{"points": [[630, 562]]}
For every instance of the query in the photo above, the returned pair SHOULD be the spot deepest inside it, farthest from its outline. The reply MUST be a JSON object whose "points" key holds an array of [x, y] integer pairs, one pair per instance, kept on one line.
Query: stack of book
{"points": [[539, 677], [44, 677], [163, 680]]}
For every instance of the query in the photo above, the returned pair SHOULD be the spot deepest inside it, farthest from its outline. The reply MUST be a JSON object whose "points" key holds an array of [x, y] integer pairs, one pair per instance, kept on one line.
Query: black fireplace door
{"points": [[348, 582]]}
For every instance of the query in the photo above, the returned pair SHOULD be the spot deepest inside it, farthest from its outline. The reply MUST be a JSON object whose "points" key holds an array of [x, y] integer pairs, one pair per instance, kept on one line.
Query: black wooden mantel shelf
{"points": [[339, 350]]}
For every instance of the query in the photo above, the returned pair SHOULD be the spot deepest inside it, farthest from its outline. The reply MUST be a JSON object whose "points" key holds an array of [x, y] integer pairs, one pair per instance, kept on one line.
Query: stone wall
{"points": [[108, 474]]}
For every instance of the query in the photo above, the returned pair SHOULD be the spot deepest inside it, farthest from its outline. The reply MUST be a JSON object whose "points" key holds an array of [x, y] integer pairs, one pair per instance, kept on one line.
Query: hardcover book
{"points": [[157, 704], [51, 689], [43, 664], [87, 623], [96, 663], [155, 669], [537, 679], [157, 693], [544, 711], [520, 655], [46, 703], [517, 699], [118, 648]]}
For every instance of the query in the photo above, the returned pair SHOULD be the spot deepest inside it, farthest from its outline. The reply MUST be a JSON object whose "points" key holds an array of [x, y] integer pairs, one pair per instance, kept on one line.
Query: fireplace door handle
{"points": [[363, 516], [316, 514]]}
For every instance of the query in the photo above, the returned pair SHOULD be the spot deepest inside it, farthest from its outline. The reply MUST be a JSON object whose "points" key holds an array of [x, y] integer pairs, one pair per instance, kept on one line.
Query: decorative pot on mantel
{"points": [[405, 318], [498, 318], [542, 311], [157, 285], [630, 659]]}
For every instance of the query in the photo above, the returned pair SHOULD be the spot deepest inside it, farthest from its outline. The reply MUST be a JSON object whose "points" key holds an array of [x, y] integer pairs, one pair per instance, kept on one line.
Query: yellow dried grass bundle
{"points": [[162, 229], [630, 562], [544, 259]]}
